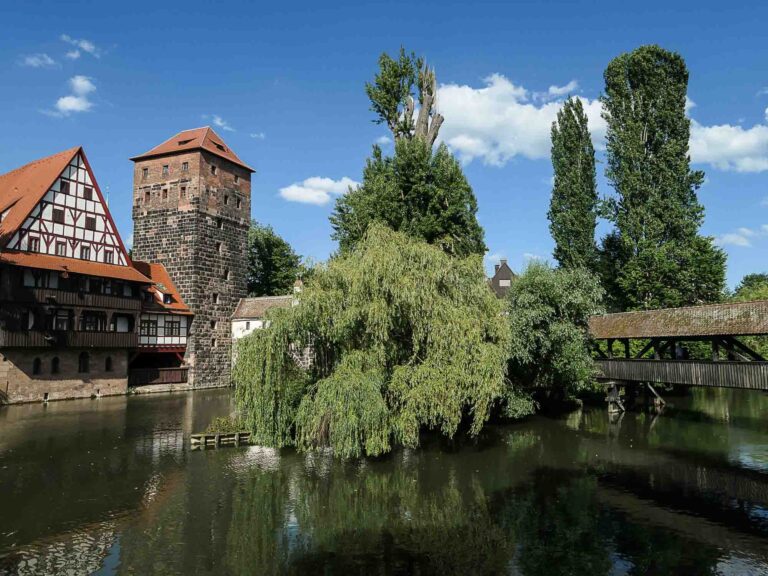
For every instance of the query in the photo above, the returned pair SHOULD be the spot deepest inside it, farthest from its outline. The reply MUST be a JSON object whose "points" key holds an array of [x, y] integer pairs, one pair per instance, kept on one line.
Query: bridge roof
{"points": [[735, 319]]}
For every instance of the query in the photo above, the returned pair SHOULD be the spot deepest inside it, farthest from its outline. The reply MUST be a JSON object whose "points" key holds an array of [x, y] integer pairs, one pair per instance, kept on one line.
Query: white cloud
{"points": [[501, 121], [495, 257], [129, 241], [557, 91], [41, 60], [258, 135], [81, 45], [317, 190], [219, 122], [742, 236], [728, 147], [78, 101], [383, 140], [529, 256]]}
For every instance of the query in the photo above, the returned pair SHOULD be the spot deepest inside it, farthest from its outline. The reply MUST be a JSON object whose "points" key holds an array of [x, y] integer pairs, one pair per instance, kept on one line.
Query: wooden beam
{"points": [[744, 348]]}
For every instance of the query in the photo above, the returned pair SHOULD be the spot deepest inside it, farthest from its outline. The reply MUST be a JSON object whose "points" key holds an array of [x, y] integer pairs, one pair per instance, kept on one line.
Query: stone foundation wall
{"points": [[19, 383]]}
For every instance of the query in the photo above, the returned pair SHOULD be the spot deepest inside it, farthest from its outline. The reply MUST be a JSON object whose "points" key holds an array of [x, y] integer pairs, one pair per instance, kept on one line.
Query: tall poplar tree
{"points": [[573, 207], [655, 257]]}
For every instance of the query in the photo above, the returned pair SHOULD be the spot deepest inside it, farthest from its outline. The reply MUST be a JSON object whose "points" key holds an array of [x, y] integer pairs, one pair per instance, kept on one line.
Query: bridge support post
{"points": [[657, 400], [614, 399]]}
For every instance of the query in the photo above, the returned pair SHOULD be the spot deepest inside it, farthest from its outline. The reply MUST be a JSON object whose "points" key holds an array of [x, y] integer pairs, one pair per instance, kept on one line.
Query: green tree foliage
{"points": [[421, 192], [548, 313], [273, 266], [655, 257], [404, 337], [573, 207], [753, 287]]}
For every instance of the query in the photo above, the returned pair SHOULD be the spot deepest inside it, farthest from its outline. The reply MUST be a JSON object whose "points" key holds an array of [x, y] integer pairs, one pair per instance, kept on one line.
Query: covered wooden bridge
{"points": [[655, 346]]}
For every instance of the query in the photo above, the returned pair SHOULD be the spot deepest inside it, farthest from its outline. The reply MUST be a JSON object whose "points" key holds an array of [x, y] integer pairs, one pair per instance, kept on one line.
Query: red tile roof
{"points": [[196, 139], [74, 265], [23, 188], [162, 283]]}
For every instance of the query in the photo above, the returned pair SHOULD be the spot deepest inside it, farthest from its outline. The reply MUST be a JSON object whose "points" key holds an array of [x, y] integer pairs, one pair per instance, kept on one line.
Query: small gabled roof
{"points": [[21, 189], [255, 308], [196, 139], [162, 283]]}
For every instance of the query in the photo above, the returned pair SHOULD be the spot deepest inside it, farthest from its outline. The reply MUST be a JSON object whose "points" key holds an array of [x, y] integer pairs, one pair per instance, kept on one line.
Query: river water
{"points": [[111, 486]]}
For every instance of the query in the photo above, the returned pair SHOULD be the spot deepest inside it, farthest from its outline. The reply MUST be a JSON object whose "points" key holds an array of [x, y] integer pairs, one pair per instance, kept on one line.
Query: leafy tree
{"points": [[655, 257], [752, 287], [403, 337], [273, 266], [419, 191], [573, 208], [548, 314]]}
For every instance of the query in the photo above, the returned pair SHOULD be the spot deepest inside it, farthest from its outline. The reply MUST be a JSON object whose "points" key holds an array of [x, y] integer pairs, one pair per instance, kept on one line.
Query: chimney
{"points": [[503, 261]]}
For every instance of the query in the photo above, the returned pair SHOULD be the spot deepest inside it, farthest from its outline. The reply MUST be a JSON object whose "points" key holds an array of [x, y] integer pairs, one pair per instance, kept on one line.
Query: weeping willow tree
{"points": [[403, 337]]}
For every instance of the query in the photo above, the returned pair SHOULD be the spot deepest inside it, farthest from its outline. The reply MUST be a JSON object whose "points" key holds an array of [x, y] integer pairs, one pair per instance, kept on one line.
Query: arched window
{"points": [[55, 365], [36, 366], [84, 363], [108, 364]]}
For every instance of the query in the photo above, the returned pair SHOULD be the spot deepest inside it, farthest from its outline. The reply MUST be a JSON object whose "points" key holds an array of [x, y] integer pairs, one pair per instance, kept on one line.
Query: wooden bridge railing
{"points": [[746, 375]]}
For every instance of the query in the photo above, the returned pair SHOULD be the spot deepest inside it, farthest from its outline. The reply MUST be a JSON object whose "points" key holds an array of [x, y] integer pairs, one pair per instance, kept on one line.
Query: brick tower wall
{"points": [[196, 223]]}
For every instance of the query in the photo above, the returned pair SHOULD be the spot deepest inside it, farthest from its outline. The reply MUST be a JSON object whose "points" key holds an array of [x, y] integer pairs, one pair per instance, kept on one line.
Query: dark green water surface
{"points": [[111, 486]]}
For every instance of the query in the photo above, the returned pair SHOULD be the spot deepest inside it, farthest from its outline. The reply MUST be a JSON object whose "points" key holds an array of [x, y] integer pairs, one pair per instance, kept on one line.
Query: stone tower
{"points": [[191, 213]]}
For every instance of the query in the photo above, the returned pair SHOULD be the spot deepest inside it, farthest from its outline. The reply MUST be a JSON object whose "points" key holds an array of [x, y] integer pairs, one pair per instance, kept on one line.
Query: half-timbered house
{"points": [[70, 297]]}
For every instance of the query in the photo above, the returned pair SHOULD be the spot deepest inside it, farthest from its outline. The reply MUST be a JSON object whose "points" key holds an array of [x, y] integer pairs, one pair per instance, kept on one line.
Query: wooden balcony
{"points": [[148, 376], [67, 339], [50, 296]]}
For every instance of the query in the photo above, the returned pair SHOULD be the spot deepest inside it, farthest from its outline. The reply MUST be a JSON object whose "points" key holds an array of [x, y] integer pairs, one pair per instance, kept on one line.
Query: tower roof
{"points": [[204, 138], [21, 189]]}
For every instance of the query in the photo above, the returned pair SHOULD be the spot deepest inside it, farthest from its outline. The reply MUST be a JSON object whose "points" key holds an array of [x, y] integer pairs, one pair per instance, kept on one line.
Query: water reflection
{"points": [[115, 491]]}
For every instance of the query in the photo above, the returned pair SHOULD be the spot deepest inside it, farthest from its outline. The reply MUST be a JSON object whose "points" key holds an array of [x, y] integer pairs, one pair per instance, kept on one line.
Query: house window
{"points": [[226, 274], [36, 366], [185, 166], [64, 188], [247, 325], [147, 196], [92, 322], [61, 321], [84, 363], [237, 178], [213, 169], [85, 253], [88, 193], [55, 365], [215, 298], [108, 364], [148, 328], [109, 257], [165, 193], [239, 202], [34, 244], [220, 223], [61, 248], [90, 223], [219, 247], [183, 191], [167, 299], [226, 200], [58, 215], [165, 170], [144, 173], [172, 328], [213, 324], [213, 343]]}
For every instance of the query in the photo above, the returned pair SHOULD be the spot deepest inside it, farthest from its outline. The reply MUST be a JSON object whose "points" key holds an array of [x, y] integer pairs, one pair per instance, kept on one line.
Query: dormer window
{"points": [[183, 142], [167, 299]]}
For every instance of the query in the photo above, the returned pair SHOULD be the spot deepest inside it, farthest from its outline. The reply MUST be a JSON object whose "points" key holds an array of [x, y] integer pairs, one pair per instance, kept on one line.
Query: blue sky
{"points": [[282, 83]]}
